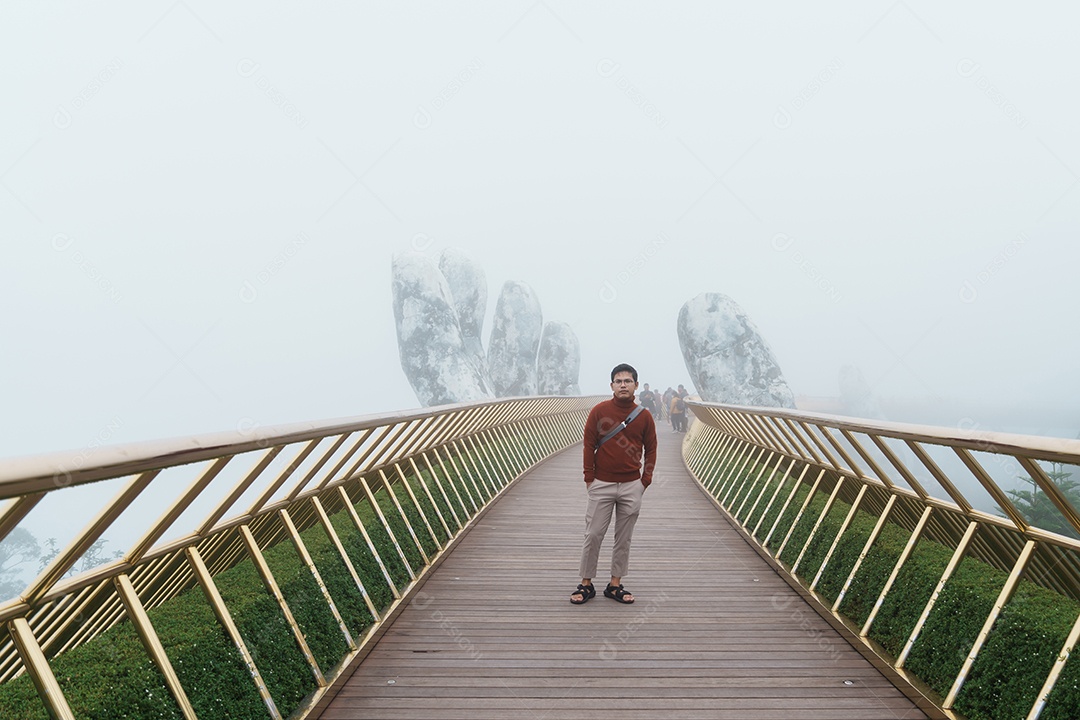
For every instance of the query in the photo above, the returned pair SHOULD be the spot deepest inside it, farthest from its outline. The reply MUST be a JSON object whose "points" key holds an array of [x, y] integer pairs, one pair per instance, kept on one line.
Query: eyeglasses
{"points": [[624, 382]]}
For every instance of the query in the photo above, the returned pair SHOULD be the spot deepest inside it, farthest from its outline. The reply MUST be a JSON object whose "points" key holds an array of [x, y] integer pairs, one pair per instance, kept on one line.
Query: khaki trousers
{"points": [[604, 497]]}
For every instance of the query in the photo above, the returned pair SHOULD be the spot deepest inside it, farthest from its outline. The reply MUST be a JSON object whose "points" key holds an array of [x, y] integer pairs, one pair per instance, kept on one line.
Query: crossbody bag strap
{"points": [[621, 426]]}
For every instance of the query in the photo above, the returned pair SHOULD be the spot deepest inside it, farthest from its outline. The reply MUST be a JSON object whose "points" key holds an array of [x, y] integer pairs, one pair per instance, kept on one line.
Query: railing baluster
{"points": [[1006, 593], [724, 459], [90, 535], [176, 509], [880, 474], [809, 430], [431, 499], [404, 518], [386, 526], [750, 491], [15, 510], [798, 515], [800, 435], [904, 555], [772, 498], [744, 478], [367, 540], [493, 451], [284, 475], [878, 527], [345, 458], [419, 507], [1052, 491], [453, 486], [38, 668], [1055, 671], [852, 465], [316, 467], [839, 534], [739, 477], [223, 616], [469, 454], [728, 469], [439, 485], [484, 481], [480, 453], [909, 477], [954, 562], [324, 519], [272, 587], [145, 629], [239, 489], [817, 524], [783, 508], [305, 557]]}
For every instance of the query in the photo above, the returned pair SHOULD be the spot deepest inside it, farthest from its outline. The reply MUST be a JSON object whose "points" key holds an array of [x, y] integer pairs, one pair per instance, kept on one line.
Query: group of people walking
{"points": [[669, 405]]}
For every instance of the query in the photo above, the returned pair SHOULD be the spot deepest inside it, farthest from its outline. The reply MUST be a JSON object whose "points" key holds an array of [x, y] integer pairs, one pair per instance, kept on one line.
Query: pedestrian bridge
{"points": [[419, 565]]}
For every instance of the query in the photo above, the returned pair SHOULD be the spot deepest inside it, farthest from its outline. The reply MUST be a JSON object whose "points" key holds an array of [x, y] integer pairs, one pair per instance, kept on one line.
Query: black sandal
{"points": [[616, 593], [587, 593]]}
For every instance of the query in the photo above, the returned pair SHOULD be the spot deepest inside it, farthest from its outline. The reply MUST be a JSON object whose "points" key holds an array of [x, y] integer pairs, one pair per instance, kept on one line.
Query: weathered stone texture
{"points": [[430, 345], [515, 340], [728, 360], [468, 288], [559, 363]]}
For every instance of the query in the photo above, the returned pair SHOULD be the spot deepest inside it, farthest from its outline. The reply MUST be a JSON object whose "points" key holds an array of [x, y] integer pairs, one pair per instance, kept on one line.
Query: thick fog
{"points": [[200, 202]]}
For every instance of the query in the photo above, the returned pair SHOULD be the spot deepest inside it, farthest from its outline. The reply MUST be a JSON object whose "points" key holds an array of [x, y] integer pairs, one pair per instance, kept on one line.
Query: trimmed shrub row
{"points": [[1020, 650], [113, 677]]}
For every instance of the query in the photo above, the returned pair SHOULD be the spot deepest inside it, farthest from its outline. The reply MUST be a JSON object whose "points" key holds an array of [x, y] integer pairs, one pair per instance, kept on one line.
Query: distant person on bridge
{"points": [[617, 432], [648, 399], [658, 398], [678, 413]]}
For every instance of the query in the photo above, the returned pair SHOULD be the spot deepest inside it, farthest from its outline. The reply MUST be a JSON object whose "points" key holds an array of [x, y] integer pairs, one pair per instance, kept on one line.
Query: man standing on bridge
{"points": [[617, 432]]}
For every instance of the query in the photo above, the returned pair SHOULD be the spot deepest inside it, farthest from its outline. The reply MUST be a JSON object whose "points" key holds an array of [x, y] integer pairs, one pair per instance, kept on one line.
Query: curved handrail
{"points": [[35, 473], [777, 429], [1039, 447], [409, 483], [736, 453]]}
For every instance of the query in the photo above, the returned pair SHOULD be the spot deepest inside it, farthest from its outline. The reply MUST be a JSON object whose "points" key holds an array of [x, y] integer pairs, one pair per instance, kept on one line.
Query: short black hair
{"points": [[623, 367]]}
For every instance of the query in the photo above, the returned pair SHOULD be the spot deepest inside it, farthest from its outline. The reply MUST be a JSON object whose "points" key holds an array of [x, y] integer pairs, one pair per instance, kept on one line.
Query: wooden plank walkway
{"points": [[715, 633]]}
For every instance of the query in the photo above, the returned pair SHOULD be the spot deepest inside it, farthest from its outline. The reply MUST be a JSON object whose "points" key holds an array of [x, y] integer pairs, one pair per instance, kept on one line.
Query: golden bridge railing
{"points": [[185, 511], [779, 474]]}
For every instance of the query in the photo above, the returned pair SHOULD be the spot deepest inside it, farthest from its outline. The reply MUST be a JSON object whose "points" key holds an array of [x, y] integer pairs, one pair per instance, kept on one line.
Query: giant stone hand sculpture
{"points": [[559, 363], [468, 287], [515, 340], [728, 360], [433, 353], [439, 315]]}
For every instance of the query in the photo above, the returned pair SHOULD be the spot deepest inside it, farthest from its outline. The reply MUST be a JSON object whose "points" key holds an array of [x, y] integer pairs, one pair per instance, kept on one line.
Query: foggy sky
{"points": [[200, 203]]}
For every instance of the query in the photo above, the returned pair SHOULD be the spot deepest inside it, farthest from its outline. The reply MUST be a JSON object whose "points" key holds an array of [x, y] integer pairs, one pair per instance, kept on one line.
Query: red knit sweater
{"points": [[619, 459]]}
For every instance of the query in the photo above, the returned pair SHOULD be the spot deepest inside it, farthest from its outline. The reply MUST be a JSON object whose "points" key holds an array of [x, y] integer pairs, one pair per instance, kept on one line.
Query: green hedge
{"points": [[750, 483], [845, 555], [114, 679], [753, 513], [1020, 650], [112, 676], [914, 585], [786, 519], [1031, 631], [823, 539]]}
